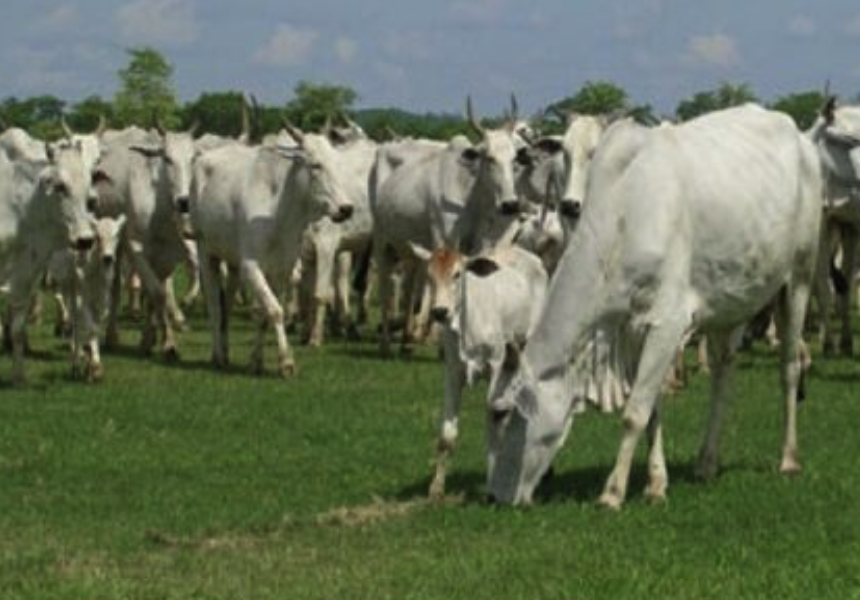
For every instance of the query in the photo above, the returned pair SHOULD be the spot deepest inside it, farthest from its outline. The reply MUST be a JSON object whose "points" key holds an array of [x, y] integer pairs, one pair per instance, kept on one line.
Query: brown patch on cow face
{"points": [[443, 262]]}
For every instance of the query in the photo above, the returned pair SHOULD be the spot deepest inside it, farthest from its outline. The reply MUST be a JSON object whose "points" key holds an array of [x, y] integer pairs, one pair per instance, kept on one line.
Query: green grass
{"points": [[173, 481]]}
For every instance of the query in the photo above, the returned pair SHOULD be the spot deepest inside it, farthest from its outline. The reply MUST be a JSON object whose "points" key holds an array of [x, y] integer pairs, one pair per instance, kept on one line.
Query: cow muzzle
{"points": [[571, 208], [439, 314], [107, 261], [84, 244], [183, 205], [92, 204], [343, 213]]}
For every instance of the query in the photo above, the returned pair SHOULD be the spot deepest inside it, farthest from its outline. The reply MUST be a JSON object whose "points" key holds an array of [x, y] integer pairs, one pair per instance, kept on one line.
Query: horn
{"points": [[294, 131], [245, 136], [470, 116], [102, 126], [829, 109], [67, 131], [515, 108], [389, 131], [159, 126]]}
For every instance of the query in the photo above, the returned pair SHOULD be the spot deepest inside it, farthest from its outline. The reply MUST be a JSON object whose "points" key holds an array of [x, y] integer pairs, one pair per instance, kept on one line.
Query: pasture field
{"points": [[176, 482]]}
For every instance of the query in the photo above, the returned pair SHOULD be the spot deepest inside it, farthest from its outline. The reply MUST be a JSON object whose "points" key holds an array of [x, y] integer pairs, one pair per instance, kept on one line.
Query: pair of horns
{"points": [[512, 117], [69, 132]]}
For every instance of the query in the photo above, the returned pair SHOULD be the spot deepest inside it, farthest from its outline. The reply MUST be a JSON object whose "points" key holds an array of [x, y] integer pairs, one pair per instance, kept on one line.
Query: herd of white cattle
{"points": [[567, 270]]}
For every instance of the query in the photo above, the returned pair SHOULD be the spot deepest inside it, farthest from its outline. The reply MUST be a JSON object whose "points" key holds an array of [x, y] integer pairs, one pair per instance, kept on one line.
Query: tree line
{"points": [[146, 95]]}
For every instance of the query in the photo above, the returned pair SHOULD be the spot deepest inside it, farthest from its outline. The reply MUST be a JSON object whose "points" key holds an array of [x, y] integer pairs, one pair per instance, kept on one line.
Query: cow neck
{"points": [[294, 199], [573, 306]]}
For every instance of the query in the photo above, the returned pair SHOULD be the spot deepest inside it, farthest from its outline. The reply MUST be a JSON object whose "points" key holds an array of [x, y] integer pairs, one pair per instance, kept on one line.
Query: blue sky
{"points": [[427, 55]]}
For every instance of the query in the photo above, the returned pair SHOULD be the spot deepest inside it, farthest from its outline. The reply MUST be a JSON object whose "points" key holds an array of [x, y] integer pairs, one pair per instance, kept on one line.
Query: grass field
{"points": [[175, 482]]}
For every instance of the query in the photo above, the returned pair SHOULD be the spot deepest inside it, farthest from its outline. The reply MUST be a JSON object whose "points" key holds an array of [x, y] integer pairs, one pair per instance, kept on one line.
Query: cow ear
{"points": [[148, 151], [420, 252], [482, 266], [120, 221]]}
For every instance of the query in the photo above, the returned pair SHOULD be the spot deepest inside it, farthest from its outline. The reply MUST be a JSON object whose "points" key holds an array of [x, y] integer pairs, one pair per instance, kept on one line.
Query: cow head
{"points": [[108, 233], [318, 172], [837, 132], [528, 418], [579, 144], [66, 183], [178, 151], [91, 150], [492, 162], [444, 268]]}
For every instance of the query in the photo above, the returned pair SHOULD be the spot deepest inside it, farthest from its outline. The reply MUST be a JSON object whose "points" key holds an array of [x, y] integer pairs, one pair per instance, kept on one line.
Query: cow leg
{"points": [[661, 344], [274, 314], [849, 262], [192, 264], [156, 291], [385, 267], [658, 475], [823, 291], [213, 291], [135, 289], [62, 316], [115, 300], [177, 317], [791, 312], [455, 380], [323, 276], [345, 319], [21, 291], [722, 351]]}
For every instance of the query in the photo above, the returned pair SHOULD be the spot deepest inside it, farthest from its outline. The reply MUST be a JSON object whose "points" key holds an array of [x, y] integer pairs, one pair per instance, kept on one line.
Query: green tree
{"points": [[40, 115], [218, 112], [594, 98], [725, 96], [146, 90], [803, 107], [86, 114], [313, 103]]}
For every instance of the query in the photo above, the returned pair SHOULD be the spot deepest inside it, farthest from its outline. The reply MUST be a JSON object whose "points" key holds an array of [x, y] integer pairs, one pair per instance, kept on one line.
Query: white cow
{"points": [[250, 209], [836, 135], [484, 303], [462, 197], [329, 247], [684, 228], [85, 281], [17, 144], [42, 210]]}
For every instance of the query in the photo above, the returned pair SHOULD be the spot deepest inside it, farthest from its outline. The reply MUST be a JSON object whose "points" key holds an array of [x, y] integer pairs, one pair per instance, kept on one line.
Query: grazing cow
{"points": [[250, 209], [85, 281], [484, 303], [42, 210], [836, 135], [691, 227], [462, 197]]}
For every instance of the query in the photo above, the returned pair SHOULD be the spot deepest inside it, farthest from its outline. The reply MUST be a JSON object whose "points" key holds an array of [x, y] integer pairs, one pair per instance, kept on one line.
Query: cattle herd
{"points": [[568, 270]]}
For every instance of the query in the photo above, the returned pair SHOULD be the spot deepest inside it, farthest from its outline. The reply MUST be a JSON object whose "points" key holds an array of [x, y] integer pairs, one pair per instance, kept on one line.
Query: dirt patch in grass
{"points": [[380, 510]]}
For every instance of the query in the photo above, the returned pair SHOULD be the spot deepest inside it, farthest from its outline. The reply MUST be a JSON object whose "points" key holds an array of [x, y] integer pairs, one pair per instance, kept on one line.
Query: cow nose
{"points": [[107, 260], [92, 204], [510, 207], [439, 314], [571, 208], [84, 243], [183, 205], [343, 213]]}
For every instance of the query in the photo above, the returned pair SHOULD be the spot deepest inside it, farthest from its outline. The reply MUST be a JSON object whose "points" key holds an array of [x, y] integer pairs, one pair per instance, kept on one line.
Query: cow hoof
{"points": [[790, 465], [655, 493], [436, 493], [220, 363], [288, 370], [171, 355], [610, 501], [706, 470], [19, 380], [96, 373]]}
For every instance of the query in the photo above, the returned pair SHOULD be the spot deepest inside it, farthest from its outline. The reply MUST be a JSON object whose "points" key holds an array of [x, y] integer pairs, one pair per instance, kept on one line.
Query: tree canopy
{"points": [[146, 90]]}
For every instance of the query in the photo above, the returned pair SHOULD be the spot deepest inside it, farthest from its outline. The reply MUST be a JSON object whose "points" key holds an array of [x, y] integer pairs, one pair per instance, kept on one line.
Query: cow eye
{"points": [[168, 160], [499, 416]]}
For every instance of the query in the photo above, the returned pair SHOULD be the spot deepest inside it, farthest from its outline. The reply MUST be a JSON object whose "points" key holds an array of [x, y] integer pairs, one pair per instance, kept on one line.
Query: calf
{"points": [[484, 303]]}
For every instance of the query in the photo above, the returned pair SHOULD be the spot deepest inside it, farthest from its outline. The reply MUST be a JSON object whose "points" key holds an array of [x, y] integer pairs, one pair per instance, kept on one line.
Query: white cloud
{"points": [[162, 22], [717, 49], [345, 49], [288, 46], [802, 26]]}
